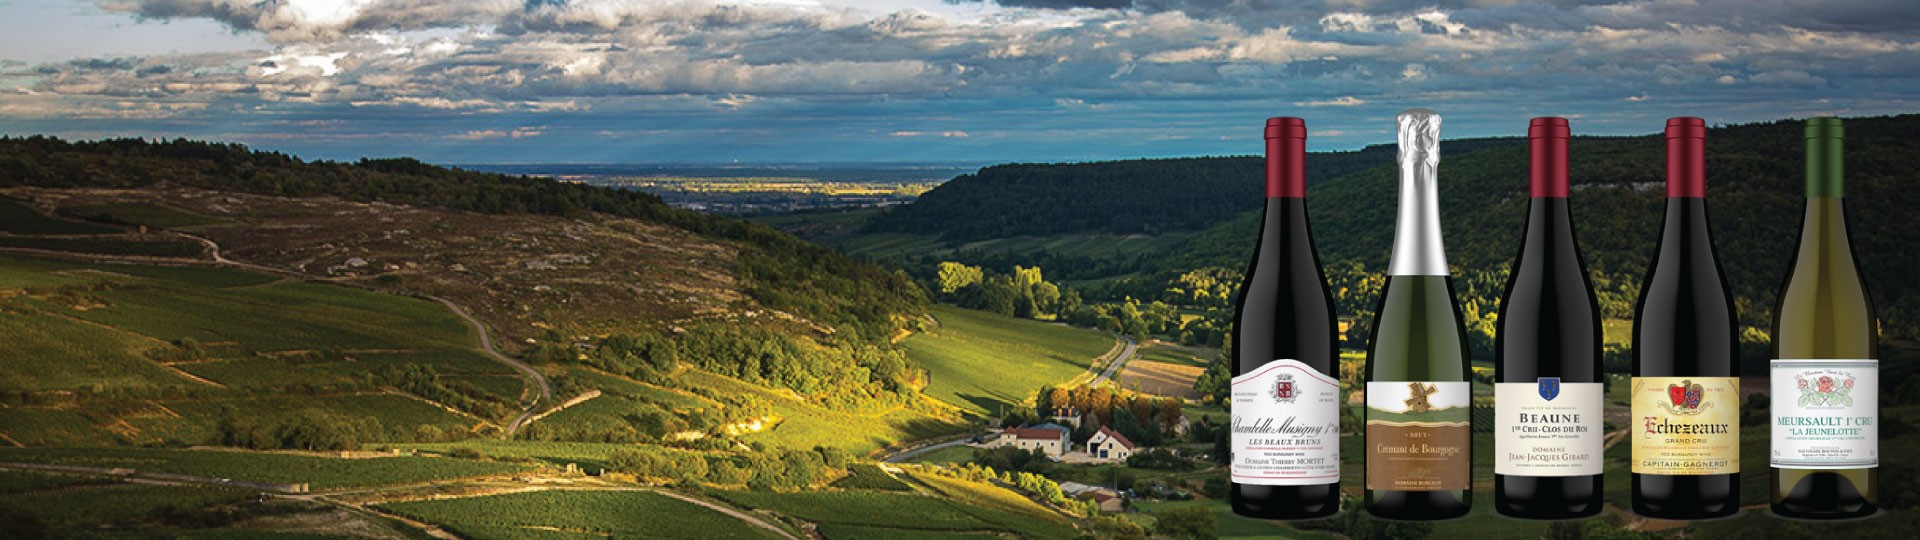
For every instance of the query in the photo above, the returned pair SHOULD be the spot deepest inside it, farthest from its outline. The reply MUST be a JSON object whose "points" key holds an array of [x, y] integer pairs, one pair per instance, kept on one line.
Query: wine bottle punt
{"points": [[1685, 423], [1825, 376], [1285, 390], [1419, 444], [1548, 391]]}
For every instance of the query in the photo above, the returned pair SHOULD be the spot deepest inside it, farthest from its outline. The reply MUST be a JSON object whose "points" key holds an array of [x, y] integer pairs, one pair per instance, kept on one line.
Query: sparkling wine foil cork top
{"points": [[1419, 136]]}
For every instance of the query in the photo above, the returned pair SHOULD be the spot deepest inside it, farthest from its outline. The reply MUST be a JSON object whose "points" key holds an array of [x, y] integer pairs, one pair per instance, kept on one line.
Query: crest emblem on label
{"points": [[1283, 389], [1685, 397], [1549, 388]]}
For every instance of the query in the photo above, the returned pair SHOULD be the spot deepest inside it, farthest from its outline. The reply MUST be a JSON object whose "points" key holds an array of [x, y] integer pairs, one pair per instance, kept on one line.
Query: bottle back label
{"points": [[1286, 426], [1826, 414], [1686, 425], [1418, 435], [1548, 428]]}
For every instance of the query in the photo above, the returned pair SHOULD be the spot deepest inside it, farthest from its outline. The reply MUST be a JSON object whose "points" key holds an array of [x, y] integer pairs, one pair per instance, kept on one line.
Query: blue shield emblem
{"points": [[1549, 387]]}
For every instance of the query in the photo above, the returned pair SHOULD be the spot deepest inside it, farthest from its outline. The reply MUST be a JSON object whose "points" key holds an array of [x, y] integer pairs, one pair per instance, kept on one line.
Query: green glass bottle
{"points": [[1825, 372]]}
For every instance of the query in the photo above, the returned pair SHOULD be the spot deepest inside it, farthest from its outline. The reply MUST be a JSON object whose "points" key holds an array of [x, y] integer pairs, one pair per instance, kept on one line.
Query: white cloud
{"points": [[1342, 101]]}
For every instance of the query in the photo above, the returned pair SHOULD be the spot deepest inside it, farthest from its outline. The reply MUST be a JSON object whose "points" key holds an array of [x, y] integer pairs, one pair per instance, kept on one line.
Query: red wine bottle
{"points": [[1286, 392], [1685, 423], [1548, 395]]}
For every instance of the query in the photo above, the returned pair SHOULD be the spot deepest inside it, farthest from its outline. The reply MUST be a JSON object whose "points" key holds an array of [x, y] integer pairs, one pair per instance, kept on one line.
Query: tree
{"points": [[954, 276]]}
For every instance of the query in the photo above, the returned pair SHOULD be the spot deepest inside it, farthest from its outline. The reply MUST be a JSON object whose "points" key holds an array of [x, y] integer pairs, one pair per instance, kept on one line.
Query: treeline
{"points": [[764, 470], [859, 299], [839, 375], [1144, 419], [1146, 196], [316, 430], [1026, 293]]}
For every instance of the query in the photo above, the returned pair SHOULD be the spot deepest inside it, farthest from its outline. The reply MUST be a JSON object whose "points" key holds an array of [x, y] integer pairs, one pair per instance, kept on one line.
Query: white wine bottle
{"points": [[1419, 439], [1825, 373]]}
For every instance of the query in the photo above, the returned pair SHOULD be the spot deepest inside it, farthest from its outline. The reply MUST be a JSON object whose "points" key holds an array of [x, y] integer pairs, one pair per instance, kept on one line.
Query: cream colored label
{"points": [[1686, 425]]}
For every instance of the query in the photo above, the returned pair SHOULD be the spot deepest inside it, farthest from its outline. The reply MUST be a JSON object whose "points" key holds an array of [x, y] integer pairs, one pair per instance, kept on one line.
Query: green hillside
{"points": [[985, 363]]}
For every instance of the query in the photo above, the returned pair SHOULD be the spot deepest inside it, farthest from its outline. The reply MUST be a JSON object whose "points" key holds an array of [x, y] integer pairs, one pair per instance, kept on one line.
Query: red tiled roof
{"points": [[1036, 433], [1117, 437]]}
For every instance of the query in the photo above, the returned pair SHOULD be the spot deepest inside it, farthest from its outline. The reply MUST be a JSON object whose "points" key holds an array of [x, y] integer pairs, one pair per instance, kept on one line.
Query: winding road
{"points": [[1118, 361]]}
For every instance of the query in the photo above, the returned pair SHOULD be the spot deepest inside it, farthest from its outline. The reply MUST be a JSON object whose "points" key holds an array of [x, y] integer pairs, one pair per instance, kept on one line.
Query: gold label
{"points": [[1686, 425]]}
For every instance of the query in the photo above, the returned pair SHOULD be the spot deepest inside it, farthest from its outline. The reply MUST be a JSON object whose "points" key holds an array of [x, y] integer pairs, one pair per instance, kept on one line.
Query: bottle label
{"points": [[1286, 426], [1686, 425], [1418, 435], [1826, 414], [1548, 428]]}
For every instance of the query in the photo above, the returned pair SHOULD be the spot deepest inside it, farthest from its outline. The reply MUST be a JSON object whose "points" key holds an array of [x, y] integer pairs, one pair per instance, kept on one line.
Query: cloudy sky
{"points": [[493, 81]]}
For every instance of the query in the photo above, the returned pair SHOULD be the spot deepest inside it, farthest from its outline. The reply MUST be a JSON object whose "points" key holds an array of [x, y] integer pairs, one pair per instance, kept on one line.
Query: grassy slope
{"points": [[92, 325], [323, 473], [983, 362], [597, 513], [804, 425]]}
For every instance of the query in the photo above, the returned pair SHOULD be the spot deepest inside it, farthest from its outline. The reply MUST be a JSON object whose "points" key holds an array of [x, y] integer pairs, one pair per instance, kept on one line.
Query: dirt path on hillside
{"points": [[526, 371]]}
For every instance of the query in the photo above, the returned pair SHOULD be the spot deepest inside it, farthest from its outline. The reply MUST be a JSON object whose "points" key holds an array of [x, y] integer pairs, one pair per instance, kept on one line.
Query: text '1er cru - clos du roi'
{"points": [[1825, 373], [1685, 397], [1548, 395], [1419, 444], [1285, 392]]}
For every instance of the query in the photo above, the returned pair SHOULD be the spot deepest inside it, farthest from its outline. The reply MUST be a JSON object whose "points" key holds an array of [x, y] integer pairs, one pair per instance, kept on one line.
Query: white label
{"points": [[1826, 414], [1548, 428], [1286, 426]]}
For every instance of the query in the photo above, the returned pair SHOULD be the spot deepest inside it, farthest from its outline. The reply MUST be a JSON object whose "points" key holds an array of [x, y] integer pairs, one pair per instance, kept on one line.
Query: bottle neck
{"points": [[1417, 247], [1686, 167], [1286, 167], [1824, 167], [1824, 227], [1547, 167]]}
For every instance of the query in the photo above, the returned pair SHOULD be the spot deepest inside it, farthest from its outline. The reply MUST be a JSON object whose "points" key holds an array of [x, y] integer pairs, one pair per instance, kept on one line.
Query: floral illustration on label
{"points": [[1824, 393]]}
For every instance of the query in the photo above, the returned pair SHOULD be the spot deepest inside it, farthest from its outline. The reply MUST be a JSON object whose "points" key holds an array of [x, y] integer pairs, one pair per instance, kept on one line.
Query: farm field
{"points": [[1166, 369], [322, 473], [983, 362], [903, 514], [577, 514]]}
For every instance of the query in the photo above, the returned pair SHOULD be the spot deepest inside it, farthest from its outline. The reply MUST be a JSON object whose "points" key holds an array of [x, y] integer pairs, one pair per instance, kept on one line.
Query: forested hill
{"points": [[1117, 197], [775, 269]]}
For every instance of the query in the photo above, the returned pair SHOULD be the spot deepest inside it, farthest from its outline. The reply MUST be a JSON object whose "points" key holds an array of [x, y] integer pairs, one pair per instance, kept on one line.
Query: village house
{"points": [[1109, 445], [1053, 441], [1067, 415]]}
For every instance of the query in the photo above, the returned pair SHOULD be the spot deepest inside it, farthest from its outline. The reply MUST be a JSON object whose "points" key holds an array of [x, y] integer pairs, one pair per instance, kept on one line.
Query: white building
{"points": [[1053, 442], [1109, 445]]}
